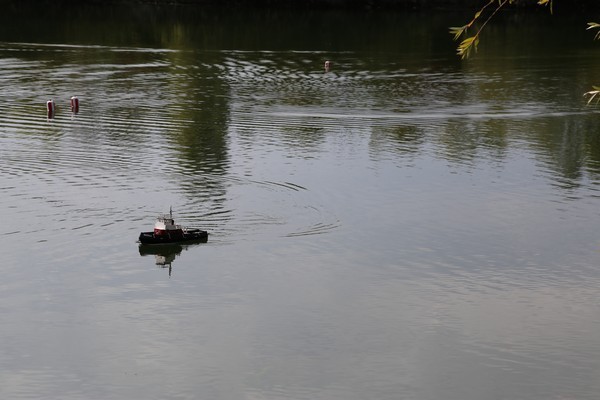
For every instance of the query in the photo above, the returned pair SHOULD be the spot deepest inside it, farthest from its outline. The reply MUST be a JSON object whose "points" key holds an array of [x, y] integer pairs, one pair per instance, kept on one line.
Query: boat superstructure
{"points": [[165, 226]]}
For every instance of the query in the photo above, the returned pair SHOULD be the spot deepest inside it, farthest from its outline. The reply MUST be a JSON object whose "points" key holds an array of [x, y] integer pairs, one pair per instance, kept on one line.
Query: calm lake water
{"points": [[404, 226]]}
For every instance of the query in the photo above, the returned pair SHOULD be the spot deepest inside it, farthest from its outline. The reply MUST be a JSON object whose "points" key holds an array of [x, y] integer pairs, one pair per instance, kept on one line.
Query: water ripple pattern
{"points": [[142, 142], [195, 131]]}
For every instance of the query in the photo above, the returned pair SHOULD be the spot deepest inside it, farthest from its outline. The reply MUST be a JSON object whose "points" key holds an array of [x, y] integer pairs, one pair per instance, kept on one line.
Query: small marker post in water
{"points": [[74, 105], [50, 108]]}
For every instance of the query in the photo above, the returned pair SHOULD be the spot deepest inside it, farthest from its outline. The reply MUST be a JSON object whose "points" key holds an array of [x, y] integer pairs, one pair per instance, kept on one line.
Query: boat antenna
{"points": [[171, 212]]}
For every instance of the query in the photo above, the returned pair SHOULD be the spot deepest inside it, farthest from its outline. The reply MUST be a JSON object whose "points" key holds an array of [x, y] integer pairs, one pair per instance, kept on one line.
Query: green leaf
{"points": [[458, 31], [593, 94], [466, 46], [594, 25]]}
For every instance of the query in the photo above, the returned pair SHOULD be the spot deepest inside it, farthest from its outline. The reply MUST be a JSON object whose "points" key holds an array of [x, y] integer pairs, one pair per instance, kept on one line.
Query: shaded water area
{"points": [[404, 226]]}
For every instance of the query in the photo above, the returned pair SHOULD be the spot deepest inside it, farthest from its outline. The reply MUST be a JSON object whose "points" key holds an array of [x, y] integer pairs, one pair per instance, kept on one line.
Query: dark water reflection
{"points": [[405, 225]]}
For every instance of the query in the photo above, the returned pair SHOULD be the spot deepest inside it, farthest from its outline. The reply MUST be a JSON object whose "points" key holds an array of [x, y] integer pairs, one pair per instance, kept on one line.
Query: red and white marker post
{"points": [[74, 104], [50, 109]]}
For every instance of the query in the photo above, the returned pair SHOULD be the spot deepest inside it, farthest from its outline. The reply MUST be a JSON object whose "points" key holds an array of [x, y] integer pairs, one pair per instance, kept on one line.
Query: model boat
{"points": [[166, 231]]}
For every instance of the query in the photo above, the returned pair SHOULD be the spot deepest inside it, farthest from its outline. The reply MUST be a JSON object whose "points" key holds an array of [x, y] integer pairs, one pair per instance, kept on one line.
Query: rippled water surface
{"points": [[404, 226]]}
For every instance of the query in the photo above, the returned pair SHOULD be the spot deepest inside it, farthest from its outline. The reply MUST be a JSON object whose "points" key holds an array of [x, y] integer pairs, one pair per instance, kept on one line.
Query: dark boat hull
{"points": [[194, 235]]}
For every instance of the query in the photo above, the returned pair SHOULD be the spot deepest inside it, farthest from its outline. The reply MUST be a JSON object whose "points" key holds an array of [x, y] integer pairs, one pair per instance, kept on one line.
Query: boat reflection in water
{"points": [[164, 254]]}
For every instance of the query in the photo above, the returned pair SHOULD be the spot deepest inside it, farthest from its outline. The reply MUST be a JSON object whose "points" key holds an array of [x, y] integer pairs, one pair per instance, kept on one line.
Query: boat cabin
{"points": [[165, 224]]}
